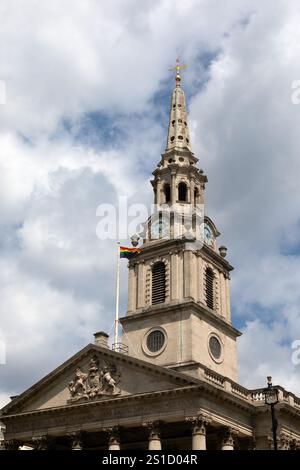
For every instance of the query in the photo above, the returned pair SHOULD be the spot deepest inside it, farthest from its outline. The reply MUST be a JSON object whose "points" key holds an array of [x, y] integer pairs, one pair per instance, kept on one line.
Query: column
{"points": [[192, 191], [131, 305], [141, 285], [227, 284], [158, 192], [223, 303], [154, 435], [114, 438], [199, 424], [187, 255], [173, 187], [228, 435], [76, 440], [174, 275], [40, 442]]}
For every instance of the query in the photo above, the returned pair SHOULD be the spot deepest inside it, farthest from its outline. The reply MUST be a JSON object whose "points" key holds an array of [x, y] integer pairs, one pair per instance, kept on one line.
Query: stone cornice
{"points": [[193, 389], [195, 307], [210, 255], [163, 247]]}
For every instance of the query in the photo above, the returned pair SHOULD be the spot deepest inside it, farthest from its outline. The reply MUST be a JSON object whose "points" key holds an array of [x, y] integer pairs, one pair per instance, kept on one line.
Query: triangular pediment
{"points": [[93, 374]]}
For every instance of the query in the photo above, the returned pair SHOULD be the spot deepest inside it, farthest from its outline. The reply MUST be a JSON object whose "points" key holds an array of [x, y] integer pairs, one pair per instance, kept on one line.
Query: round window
{"points": [[155, 341], [215, 347]]}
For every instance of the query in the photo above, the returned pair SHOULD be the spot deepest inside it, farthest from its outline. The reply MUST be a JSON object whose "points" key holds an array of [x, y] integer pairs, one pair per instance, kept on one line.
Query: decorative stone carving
{"points": [[199, 424], [40, 442], [99, 381], [228, 435], [284, 442], [12, 444], [154, 429], [295, 444], [76, 440], [113, 437]]}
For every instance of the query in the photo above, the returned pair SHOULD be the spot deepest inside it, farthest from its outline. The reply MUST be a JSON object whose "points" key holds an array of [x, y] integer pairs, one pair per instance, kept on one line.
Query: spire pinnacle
{"points": [[178, 134], [177, 69]]}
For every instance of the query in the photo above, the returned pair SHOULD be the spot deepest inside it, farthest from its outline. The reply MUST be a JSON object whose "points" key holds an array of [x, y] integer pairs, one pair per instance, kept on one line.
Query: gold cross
{"points": [[178, 67]]}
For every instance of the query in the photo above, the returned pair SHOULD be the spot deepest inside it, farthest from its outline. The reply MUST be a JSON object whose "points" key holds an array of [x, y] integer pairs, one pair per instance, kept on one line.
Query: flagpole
{"points": [[116, 339]]}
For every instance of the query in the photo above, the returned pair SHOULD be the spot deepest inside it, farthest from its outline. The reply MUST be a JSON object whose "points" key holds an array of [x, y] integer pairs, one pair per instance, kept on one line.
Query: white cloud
{"points": [[112, 57]]}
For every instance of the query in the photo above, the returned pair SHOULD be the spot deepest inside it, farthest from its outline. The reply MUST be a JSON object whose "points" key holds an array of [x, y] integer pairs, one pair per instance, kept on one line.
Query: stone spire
{"points": [[178, 134]]}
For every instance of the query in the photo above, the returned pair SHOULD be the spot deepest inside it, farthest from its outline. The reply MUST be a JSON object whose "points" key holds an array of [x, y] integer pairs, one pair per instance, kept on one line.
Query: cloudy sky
{"points": [[87, 96]]}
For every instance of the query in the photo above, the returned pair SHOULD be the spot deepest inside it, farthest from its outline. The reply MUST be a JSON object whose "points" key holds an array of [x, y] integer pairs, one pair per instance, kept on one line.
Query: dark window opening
{"points": [[155, 341], [167, 190], [158, 283], [182, 192], [209, 288], [215, 347]]}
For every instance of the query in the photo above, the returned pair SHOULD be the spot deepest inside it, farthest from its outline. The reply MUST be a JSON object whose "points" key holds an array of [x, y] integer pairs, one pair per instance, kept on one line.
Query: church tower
{"points": [[178, 313]]}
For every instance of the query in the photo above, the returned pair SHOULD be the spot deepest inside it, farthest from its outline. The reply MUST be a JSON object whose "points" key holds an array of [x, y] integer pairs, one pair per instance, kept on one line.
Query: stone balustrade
{"points": [[254, 396]]}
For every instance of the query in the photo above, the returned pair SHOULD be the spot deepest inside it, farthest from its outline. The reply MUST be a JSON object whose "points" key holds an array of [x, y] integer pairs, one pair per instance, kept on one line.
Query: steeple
{"points": [[178, 134], [178, 291]]}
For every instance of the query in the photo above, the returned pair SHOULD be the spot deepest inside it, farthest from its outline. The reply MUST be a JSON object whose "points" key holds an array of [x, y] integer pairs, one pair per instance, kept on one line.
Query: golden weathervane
{"points": [[177, 69]]}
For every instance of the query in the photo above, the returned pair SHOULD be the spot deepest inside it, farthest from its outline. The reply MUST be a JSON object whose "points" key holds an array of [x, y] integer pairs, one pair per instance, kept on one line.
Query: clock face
{"points": [[159, 229], [208, 235]]}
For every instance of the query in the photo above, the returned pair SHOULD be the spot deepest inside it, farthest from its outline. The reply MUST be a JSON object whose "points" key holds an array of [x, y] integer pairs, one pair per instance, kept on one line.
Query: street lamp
{"points": [[271, 399]]}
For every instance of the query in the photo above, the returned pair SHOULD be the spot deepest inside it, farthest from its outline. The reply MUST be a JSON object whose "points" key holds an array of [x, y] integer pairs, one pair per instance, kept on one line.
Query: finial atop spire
{"points": [[177, 69], [178, 135]]}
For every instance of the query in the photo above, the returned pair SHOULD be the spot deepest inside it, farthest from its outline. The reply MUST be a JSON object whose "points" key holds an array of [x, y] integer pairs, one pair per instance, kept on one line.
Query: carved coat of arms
{"points": [[99, 381]]}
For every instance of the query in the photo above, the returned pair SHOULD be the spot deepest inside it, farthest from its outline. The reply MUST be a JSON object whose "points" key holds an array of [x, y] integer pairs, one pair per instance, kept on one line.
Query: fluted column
{"points": [[114, 438], [154, 435], [199, 424], [228, 435]]}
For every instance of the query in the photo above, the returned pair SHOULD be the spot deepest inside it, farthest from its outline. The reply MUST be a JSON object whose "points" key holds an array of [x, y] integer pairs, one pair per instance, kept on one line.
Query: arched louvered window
{"points": [[167, 191], [158, 283], [209, 288], [182, 192]]}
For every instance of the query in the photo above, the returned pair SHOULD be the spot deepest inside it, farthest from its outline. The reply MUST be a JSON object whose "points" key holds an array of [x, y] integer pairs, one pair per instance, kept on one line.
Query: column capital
{"points": [[199, 423], [113, 436], [154, 428], [228, 435], [40, 442], [76, 439], [12, 444], [295, 444], [284, 442]]}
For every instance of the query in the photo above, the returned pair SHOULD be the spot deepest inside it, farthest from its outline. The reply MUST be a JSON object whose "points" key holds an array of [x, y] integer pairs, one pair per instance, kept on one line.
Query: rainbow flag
{"points": [[128, 252]]}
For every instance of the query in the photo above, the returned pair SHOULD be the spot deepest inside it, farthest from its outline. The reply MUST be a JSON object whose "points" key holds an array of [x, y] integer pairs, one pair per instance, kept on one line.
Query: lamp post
{"points": [[271, 399]]}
